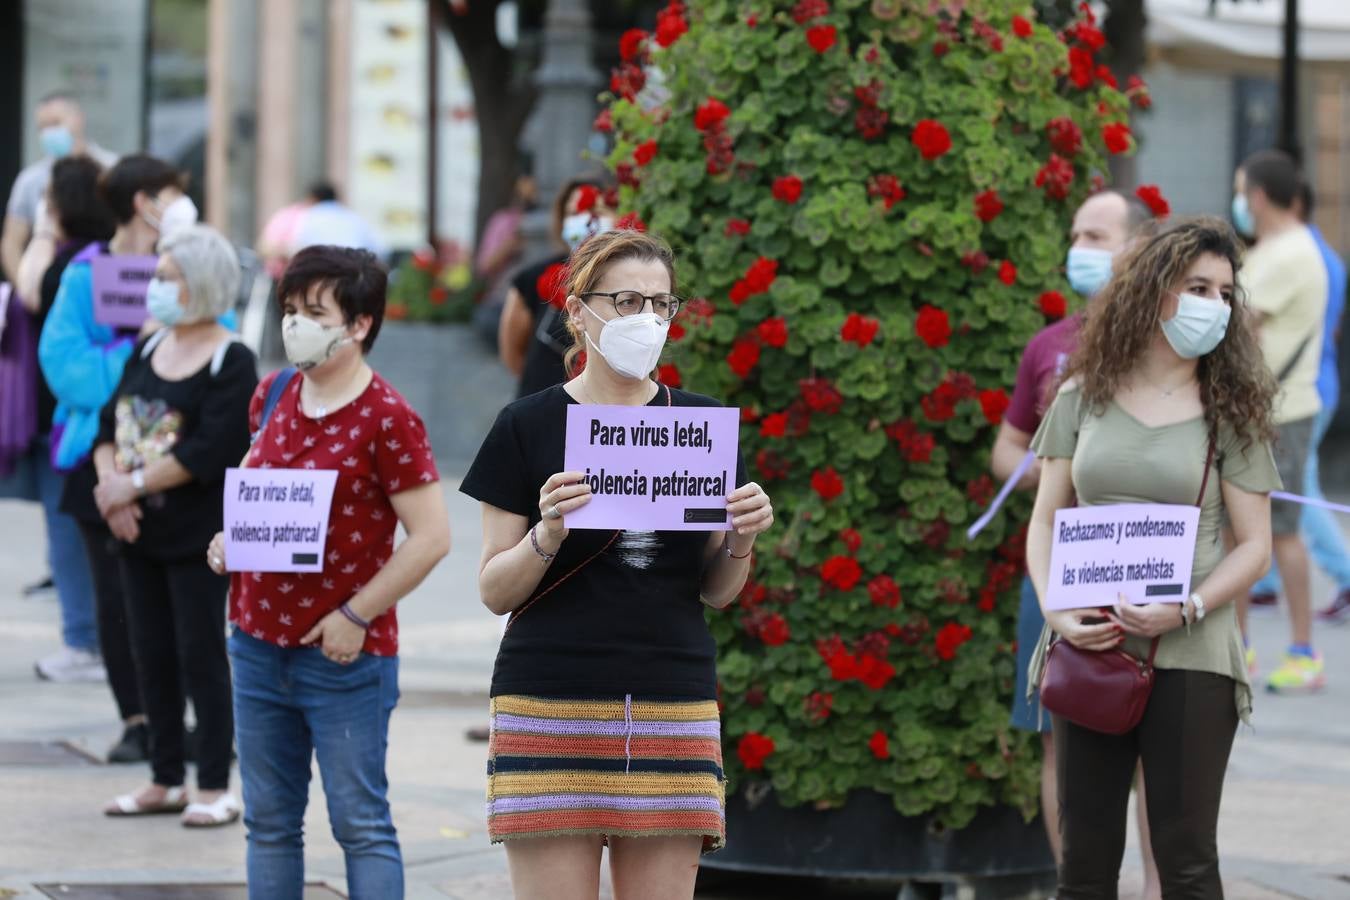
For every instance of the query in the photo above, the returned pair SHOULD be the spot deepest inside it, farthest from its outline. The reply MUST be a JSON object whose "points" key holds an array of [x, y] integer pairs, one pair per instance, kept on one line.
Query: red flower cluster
{"points": [[1153, 199], [753, 749], [630, 222], [917, 446], [827, 483], [1021, 27], [879, 746], [887, 187], [698, 311], [949, 638], [630, 45], [852, 540], [841, 572], [1117, 137], [587, 194], [1088, 34], [818, 705], [859, 329], [772, 465], [710, 113], [822, 37], [1137, 90], [980, 490], [773, 331], [988, 205], [744, 356], [670, 24], [1053, 304], [1055, 176], [999, 577], [551, 285], [1007, 273], [1107, 77], [989, 34], [931, 138], [759, 277], [940, 404], [976, 261], [710, 118], [604, 121], [1082, 69], [884, 592], [737, 227], [787, 188], [627, 81], [806, 10], [820, 395], [774, 631], [1065, 136], [994, 403], [932, 326], [773, 425], [864, 666], [870, 119], [669, 374], [644, 153]]}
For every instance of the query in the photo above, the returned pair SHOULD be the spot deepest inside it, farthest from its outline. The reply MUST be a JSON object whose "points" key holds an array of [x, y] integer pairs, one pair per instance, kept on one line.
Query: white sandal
{"points": [[174, 802], [224, 810]]}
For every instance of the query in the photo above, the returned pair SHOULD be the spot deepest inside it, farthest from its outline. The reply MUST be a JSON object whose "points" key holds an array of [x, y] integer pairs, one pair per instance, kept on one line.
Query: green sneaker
{"points": [[1251, 663], [1298, 673]]}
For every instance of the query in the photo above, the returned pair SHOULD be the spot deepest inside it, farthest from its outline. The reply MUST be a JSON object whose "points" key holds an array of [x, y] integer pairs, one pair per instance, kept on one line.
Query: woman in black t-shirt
{"points": [[177, 421], [604, 709]]}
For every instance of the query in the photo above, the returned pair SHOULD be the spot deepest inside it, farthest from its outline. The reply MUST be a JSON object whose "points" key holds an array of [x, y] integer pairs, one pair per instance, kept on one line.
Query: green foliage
{"points": [[427, 289], [901, 292]]}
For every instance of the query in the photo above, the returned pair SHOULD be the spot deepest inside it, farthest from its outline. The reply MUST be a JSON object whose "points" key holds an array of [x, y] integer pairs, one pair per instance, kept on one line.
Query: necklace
{"points": [[1167, 392]]}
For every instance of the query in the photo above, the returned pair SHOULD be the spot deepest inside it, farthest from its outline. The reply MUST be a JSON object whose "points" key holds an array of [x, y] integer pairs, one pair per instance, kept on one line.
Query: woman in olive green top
{"points": [[1167, 357]]}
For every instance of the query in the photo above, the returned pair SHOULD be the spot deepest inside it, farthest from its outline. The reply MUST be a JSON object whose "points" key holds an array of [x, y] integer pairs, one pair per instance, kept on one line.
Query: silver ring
{"points": [[553, 512]]}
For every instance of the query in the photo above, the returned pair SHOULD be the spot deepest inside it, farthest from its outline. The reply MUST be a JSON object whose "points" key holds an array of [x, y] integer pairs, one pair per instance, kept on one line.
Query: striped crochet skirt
{"points": [[622, 768]]}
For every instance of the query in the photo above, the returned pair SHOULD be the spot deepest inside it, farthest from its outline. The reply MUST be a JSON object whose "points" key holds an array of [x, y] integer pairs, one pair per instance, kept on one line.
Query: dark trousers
{"points": [[114, 634], [1183, 740], [177, 614]]}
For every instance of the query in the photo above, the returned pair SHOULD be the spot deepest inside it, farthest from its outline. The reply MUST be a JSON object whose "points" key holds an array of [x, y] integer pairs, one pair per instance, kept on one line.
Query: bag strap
{"points": [[1288, 368], [1199, 501], [218, 358], [274, 392]]}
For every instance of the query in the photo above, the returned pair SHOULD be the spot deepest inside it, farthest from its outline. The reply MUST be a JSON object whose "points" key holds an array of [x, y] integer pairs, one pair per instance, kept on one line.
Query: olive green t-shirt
{"points": [[1118, 459]]}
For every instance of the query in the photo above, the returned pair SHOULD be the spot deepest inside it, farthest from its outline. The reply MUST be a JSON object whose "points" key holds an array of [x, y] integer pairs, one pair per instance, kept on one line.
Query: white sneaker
{"points": [[71, 665]]}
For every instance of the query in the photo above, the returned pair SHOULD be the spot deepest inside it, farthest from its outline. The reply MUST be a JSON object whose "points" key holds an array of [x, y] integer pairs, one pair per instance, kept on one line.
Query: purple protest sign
{"points": [[1142, 550], [276, 520], [666, 468], [119, 289]]}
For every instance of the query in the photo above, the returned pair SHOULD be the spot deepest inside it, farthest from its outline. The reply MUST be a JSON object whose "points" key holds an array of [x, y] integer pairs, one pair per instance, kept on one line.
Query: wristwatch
{"points": [[138, 481], [1199, 603]]}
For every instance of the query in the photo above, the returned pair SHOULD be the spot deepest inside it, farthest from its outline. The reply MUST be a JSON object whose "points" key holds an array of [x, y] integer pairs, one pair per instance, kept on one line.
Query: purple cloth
{"points": [[1042, 361], [18, 386]]}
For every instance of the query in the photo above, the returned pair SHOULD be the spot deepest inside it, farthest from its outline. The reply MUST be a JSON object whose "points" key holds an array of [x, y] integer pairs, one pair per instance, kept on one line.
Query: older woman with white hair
{"points": [[177, 421]]}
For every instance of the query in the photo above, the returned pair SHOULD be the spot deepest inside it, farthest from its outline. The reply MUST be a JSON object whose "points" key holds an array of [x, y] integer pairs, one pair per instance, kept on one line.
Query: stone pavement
{"points": [[1285, 829]]}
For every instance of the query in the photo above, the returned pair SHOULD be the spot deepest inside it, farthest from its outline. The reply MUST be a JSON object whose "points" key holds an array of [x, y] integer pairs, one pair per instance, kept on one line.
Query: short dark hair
{"points": [[357, 279], [1276, 174], [133, 174], [322, 192], [1307, 198], [76, 201]]}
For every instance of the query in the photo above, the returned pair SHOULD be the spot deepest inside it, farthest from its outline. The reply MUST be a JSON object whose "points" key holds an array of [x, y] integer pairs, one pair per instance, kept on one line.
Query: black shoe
{"points": [[134, 747], [40, 587]]}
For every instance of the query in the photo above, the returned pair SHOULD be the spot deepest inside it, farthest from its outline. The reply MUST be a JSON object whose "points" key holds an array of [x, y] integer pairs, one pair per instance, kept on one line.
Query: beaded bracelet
{"points": [[534, 542], [352, 617], [727, 546]]}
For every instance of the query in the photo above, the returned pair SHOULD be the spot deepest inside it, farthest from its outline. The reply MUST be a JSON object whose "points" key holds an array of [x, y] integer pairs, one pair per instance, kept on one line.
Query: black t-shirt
{"points": [[202, 420], [630, 620], [544, 360], [51, 283]]}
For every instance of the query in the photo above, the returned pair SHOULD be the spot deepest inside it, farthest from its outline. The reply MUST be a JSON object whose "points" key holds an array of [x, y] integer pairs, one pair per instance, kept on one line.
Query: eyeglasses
{"points": [[630, 303]]}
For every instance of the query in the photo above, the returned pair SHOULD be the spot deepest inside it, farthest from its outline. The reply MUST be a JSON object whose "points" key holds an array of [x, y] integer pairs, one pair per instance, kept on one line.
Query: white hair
{"points": [[210, 270]]}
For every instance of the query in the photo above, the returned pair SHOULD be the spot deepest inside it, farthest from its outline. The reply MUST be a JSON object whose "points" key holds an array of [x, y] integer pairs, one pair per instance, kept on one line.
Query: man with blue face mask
{"points": [[60, 125], [1104, 226]]}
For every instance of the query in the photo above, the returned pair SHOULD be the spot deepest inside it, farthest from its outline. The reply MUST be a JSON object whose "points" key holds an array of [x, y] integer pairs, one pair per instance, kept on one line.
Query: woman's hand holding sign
{"points": [[1084, 629], [751, 515], [1148, 620], [560, 495]]}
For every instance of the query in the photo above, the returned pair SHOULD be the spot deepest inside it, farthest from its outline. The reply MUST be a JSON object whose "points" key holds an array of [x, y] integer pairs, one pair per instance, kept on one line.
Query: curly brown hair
{"points": [[1236, 387]]}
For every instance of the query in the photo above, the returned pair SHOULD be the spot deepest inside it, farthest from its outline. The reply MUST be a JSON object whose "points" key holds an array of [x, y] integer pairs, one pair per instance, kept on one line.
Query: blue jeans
{"points": [[1026, 714], [66, 556], [290, 703], [1320, 531]]}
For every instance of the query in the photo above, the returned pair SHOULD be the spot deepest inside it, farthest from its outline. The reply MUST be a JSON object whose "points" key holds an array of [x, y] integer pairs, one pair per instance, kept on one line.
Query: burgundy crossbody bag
{"points": [[1103, 690]]}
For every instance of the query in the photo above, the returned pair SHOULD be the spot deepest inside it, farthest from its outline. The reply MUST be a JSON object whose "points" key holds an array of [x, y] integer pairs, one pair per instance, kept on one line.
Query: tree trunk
{"points": [[501, 102], [1124, 29]]}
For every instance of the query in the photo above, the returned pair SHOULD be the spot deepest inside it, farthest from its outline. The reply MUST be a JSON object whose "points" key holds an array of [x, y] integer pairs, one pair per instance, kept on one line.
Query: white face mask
{"points": [[178, 215], [1198, 326], [309, 344], [631, 344], [576, 228]]}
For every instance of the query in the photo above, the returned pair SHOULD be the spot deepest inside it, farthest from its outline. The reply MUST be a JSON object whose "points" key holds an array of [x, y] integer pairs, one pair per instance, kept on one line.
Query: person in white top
{"points": [[329, 222]]}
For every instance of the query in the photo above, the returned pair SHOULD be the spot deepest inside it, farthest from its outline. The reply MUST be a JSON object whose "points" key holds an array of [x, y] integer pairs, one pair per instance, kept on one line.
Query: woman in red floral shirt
{"points": [[315, 655]]}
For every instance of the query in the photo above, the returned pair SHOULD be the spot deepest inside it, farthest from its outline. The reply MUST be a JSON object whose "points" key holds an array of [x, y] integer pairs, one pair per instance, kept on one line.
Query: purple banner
{"points": [[276, 520], [654, 468], [119, 289]]}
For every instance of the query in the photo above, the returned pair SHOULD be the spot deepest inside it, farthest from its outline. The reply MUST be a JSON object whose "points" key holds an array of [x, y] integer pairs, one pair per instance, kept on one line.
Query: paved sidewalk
{"points": [[1285, 829]]}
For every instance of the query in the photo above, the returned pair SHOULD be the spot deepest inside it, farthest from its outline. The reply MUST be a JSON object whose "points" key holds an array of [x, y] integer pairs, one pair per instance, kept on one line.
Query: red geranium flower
{"points": [[988, 205], [806, 10], [1117, 137], [887, 187], [787, 188], [743, 356], [1053, 304], [761, 274], [644, 153], [1153, 199], [1089, 35], [1021, 27], [676, 332], [753, 749], [773, 425], [821, 396], [710, 112], [841, 572], [551, 285], [1065, 136], [774, 630], [980, 490], [586, 197], [859, 329], [932, 326], [931, 138], [843, 666], [818, 705], [1107, 77], [739, 227], [821, 37], [884, 591], [440, 295], [669, 374], [994, 403], [949, 638], [670, 24], [604, 121], [773, 332], [852, 540], [940, 405], [1081, 68], [1055, 176], [940, 49], [871, 122], [630, 45], [772, 465], [879, 746], [1007, 273], [1137, 90], [873, 672], [630, 222], [627, 80], [827, 483]]}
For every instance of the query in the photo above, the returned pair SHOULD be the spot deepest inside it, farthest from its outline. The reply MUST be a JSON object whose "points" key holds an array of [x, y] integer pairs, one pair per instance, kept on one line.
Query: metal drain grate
{"points": [[168, 891], [44, 753]]}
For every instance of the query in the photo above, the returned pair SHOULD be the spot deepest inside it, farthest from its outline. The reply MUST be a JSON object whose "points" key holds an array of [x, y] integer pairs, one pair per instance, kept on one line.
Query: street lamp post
{"points": [[1288, 138]]}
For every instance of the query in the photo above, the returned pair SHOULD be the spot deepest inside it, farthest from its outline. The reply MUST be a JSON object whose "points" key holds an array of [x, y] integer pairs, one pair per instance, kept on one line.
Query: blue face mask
{"points": [[1198, 326], [1089, 269], [1242, 215], [161, 302], [56, 141]]}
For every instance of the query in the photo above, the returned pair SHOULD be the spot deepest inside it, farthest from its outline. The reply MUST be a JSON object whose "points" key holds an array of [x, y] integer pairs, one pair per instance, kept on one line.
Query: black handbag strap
{"points": [[1200, 502], [1287, 369]]}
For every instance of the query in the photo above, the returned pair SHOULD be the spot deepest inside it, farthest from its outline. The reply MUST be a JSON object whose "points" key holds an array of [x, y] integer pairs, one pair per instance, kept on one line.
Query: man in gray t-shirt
{"points": [[60, 123]]}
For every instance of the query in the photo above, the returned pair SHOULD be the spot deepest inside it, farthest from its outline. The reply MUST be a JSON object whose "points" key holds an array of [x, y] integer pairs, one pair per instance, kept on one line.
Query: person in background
{"points": [[1286, 281], [501, 243], [315, 655], [1165, 401], [82, 361], [60, 123], [178, 419], [532, 335], [1105, 226], [328, 222], [277, 239], [1321, 533]]}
